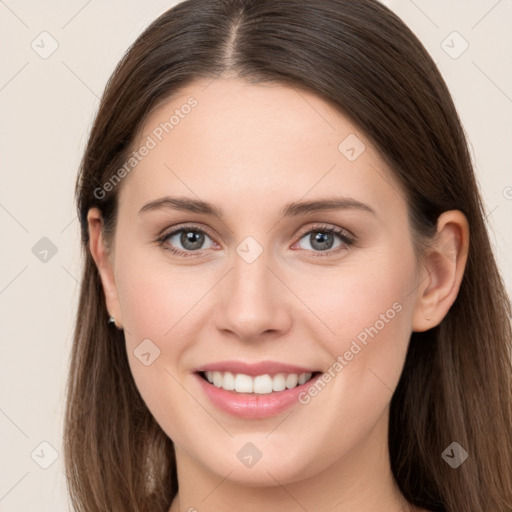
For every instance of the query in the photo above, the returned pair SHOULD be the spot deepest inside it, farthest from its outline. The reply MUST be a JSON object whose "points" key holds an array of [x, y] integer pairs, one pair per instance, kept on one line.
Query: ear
{"points": [[103, 256], [443, 268]]}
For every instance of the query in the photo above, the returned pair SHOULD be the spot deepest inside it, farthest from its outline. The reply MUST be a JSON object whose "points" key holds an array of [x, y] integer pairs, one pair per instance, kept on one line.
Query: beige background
{"points": [[47, 106]]}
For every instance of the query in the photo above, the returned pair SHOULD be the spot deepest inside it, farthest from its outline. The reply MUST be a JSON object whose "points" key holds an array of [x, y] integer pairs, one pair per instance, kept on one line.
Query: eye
{"points": [[185, 240], [188, 240], [322, 239]]}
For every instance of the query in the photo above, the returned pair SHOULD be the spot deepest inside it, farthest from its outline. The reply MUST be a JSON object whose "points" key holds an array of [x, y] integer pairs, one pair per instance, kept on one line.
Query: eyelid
{"points": [[192, 226], [348, 240], [303, 231], [329, 227], [344, 233]]}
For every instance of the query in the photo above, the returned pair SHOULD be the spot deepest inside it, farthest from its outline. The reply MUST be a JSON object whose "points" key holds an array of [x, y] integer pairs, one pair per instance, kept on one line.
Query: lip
{"points": [[253, 405], [254, 369]]}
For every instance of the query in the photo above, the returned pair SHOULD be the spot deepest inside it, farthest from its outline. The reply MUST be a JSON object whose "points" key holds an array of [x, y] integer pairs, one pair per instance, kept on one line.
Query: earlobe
{"points": [[102, 257], [444, 264]]}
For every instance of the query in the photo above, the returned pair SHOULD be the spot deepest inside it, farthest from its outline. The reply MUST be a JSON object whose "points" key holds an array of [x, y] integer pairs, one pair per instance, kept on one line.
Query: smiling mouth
{"points": [[259, 384]]}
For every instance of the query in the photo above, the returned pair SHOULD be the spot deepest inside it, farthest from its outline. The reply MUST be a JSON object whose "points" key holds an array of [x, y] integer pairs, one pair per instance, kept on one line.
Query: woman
{"points": [[289, 299]]}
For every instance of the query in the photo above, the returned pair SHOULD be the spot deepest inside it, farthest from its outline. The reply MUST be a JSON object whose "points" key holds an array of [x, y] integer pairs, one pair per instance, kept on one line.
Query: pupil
{"points": [[321, 240], [192, 240]]}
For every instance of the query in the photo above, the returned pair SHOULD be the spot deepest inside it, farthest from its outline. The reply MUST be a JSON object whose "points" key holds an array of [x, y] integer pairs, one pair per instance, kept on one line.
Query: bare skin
{"points": [[250, 150]]}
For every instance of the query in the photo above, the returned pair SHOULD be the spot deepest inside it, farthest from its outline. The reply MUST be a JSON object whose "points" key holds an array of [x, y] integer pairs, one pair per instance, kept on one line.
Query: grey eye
{"points": [[190, 239], [321, 240]]}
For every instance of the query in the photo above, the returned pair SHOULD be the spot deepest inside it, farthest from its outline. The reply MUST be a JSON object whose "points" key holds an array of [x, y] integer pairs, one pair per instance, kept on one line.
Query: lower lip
{"points": [[253, 405]]}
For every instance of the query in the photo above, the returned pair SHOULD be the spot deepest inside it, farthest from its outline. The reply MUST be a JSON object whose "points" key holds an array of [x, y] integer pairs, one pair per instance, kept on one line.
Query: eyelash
{"points": [[347, 239]]}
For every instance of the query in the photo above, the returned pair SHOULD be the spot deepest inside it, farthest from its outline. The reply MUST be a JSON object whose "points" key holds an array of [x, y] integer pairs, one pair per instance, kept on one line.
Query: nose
{"points": [[254, 302]]}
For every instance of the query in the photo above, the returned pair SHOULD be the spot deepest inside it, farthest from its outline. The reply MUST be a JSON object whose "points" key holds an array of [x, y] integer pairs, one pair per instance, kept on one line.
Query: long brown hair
{"points": [[456, 384]]}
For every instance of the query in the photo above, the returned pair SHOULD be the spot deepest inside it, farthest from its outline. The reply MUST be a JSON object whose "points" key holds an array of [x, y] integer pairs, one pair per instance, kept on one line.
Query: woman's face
{"points": [[263, 280]]}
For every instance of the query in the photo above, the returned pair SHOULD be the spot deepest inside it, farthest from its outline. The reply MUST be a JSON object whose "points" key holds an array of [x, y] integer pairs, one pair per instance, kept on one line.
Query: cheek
{"points": [[161, 307], [369, 311], [157, 298], [366, 313]]}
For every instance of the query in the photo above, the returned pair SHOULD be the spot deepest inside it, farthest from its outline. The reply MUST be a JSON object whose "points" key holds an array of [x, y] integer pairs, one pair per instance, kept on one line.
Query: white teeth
{"points": [[217, 379], [291, 380], [228, 381], [279, 382], [261, 384], [243, 383]]}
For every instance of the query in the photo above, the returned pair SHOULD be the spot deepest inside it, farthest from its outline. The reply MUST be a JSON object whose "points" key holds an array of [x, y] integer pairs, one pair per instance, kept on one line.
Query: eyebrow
{"points": [[187, 204]]}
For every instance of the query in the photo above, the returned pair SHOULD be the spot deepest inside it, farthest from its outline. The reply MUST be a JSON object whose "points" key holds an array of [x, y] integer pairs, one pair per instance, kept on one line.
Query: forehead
{"points": [[234, 118], [258, 140]]}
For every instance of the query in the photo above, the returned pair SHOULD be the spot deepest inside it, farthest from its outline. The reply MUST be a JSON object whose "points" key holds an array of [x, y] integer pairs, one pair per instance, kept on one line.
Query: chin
{"points": [[270, 470]]}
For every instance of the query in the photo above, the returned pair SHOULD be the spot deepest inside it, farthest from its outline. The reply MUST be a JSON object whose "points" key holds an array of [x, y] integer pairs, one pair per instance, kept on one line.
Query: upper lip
{"points": [[253, 369]]}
